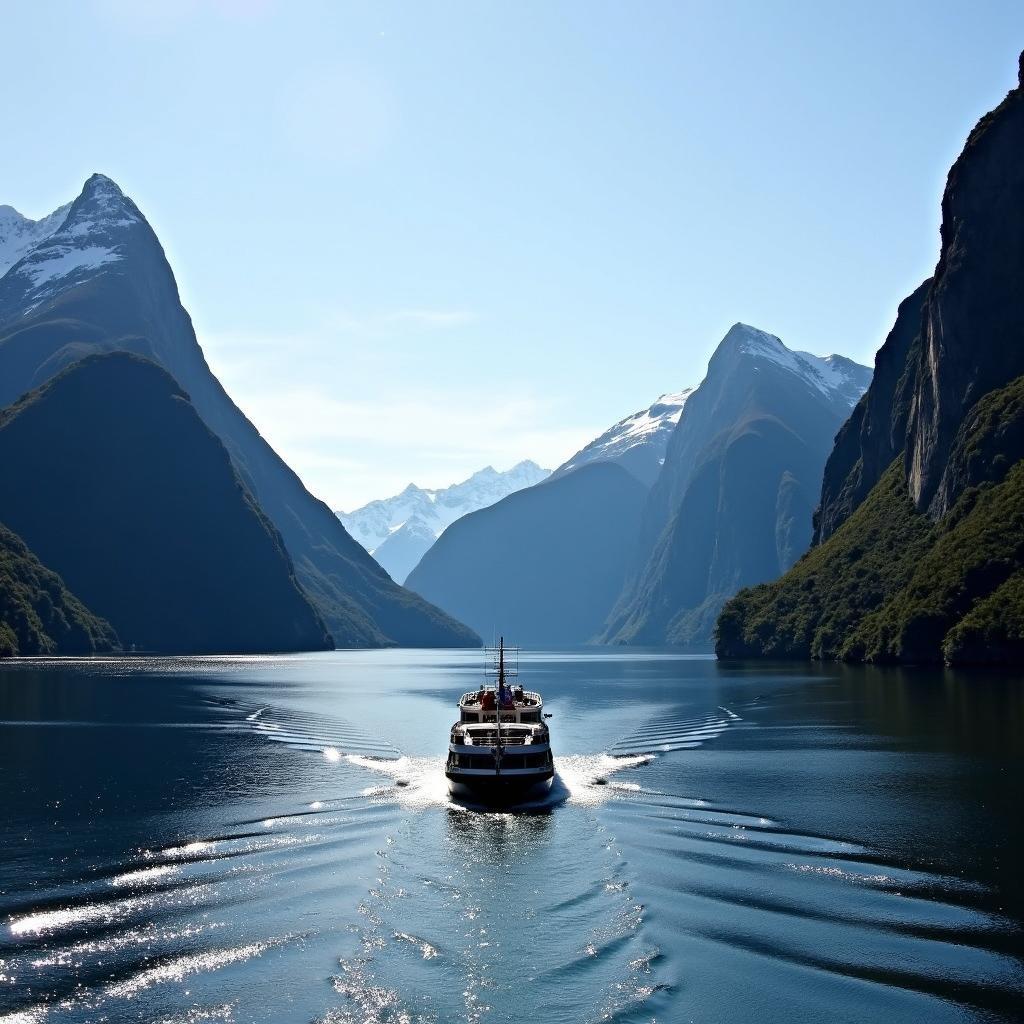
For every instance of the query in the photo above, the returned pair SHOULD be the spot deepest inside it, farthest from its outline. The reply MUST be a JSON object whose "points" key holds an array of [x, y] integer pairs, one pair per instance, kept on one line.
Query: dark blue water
{"points": [[270, 839]]}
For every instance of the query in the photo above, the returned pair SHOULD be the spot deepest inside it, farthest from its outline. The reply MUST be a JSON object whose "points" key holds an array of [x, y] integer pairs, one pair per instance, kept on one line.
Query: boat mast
{"points": [[497, 702]]}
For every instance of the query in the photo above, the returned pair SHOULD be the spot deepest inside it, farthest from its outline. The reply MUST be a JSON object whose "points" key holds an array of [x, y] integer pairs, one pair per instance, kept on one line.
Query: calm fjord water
{"points": [[270, 839]]}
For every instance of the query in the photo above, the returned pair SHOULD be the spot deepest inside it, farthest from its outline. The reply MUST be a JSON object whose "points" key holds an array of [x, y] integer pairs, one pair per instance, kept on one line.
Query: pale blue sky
{"points": [[419, 237]]}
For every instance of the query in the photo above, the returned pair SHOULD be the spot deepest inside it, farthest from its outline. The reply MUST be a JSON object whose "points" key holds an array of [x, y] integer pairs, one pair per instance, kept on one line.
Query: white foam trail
{"points": [[420, 782]]}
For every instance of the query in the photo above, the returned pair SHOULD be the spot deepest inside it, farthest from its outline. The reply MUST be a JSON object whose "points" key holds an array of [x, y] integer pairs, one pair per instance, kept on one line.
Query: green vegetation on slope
{"points": [[810, 611], [38, 614], [993, 632], [890, 585]]}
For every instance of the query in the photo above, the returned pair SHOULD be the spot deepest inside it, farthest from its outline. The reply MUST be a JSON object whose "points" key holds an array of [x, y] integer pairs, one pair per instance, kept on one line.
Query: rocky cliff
{"points": [[972, 335], [922, 509]]}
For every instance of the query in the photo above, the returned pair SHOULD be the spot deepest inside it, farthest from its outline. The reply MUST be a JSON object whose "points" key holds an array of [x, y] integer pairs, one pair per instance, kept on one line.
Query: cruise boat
{"points": [[500, 747]]}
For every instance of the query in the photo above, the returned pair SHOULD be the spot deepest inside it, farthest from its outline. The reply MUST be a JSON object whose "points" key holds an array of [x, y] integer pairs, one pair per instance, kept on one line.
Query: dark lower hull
{"points": [[498, 787]]}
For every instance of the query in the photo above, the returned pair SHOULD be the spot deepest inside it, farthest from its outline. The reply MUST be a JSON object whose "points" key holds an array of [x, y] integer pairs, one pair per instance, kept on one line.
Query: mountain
{"points": [[921, 520], [733, 503], [19, 234], [38, 614], [637, 442], [398, 531], [542, 565], [876, 431], [100, 282], [161, 539], [548, 566]]}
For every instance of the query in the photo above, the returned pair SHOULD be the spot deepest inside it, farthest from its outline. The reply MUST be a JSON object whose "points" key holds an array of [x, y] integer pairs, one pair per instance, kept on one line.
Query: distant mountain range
{"points": [[547, 563], [920, 524], [544, 564], [92, 278], [398, 531]]}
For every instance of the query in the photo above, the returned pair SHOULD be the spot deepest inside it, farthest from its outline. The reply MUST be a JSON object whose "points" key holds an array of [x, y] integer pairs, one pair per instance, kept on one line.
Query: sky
{"points": [[420, 238]]}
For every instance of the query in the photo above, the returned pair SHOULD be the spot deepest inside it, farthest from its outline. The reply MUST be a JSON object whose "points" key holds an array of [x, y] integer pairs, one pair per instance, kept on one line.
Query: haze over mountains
{"points": [[398, 531], [590, 555], [96, 280], [920, 525], [188, 533], [546, 563]]}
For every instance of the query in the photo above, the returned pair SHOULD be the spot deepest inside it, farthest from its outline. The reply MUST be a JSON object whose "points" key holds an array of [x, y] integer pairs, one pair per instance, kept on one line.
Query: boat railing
{"points": [[530, 699], [489, 738]]}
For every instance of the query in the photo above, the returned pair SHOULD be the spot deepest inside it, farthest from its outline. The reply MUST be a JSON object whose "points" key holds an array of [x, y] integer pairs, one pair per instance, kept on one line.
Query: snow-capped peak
{"points": [[19, 234], [429, 510], [834, 376], [41, 258], [100, 207]]}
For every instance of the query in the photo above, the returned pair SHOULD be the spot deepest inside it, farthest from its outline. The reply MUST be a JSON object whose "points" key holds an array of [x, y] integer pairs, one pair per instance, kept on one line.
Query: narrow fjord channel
{"points": [[271, 839]]}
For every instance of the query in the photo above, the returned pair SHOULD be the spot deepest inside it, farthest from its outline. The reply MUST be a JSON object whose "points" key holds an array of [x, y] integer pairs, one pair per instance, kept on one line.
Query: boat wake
{"points": [[675, 732], [419, 782]]}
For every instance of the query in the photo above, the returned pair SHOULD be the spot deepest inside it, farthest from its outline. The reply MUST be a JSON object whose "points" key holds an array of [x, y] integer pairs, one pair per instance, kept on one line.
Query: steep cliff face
{"points": [[891, 584], [973, 331], [100, 282], [876, 431], [927, 563], [113, 481]]}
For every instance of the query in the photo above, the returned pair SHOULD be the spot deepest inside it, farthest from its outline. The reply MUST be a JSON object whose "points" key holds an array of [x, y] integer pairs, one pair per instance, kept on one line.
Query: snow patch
{"points": [[421, 511], [19, 235], [650, 426], [60, 261]]}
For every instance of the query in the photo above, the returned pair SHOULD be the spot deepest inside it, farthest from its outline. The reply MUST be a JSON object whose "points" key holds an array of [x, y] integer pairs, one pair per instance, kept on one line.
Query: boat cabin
{"points": [[483, 706], [481, 734]]}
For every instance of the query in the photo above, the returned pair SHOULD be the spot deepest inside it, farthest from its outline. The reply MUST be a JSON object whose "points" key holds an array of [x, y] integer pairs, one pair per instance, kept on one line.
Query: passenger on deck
{"points": [[487, 700]]}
